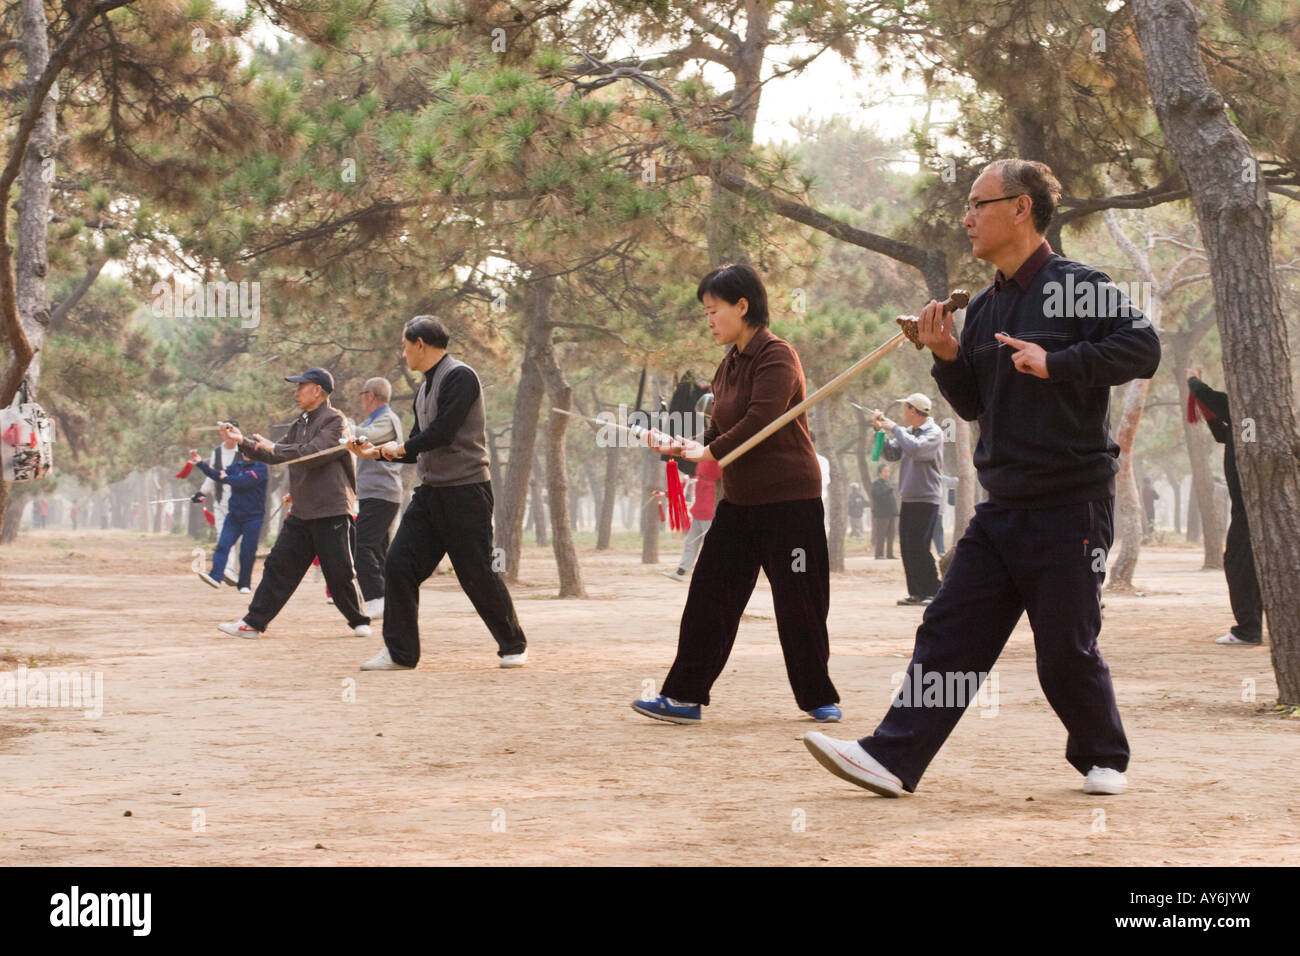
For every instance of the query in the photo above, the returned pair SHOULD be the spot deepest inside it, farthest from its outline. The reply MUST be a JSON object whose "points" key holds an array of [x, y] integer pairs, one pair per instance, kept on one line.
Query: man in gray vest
{"points": [[451, 509], [379, 493]]}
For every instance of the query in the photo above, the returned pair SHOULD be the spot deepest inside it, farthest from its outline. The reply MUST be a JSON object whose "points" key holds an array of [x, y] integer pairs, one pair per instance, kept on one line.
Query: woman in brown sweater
{"points": [[770, 517]]}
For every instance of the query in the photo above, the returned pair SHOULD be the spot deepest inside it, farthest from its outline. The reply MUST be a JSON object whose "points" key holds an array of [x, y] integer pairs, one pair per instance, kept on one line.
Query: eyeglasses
{"points": [[973, 205]]}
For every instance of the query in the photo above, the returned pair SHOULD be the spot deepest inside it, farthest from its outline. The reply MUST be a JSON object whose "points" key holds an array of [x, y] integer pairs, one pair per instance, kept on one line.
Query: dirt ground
{"points": [[212, 749]]}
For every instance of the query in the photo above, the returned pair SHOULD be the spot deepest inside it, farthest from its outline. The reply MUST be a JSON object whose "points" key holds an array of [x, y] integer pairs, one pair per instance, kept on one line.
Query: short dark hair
{"points": [[426, 329], [1035, 180], [731, 283]]}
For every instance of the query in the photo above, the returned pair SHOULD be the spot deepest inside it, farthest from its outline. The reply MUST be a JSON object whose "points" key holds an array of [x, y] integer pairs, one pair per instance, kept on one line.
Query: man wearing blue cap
{"points": [[324, 493]]}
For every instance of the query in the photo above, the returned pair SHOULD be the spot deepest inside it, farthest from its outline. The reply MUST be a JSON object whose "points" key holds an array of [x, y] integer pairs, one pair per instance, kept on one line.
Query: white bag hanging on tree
{"points": [[26, 442]]}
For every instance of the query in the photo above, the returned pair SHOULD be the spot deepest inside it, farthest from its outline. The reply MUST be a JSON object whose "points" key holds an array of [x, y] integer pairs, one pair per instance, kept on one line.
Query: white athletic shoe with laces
{"points": [[361, 630], [1104, 780], [383, 661], [848, 761], [375, 608], [514, 660], [239, 628]]}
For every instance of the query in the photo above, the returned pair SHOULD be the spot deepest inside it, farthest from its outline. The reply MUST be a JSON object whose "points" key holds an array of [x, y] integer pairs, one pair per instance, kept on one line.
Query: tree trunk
{"points": [[496, 475], [560, 393], [966, 480], [837, 493], [523, 428], [32, 260], [605, 523], [650, 482], [1176, 486], [537, 498], [1130, 519], [1201, 513], [1235, 217]]}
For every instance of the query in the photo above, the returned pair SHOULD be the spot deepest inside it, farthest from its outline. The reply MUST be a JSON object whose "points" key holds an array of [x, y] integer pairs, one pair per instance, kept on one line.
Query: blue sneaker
{"points": [[665, 708], [829, 714]]}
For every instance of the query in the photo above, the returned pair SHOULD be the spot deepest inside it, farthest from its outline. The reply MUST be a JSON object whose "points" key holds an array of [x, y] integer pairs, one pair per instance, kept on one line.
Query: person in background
{"points": [[324, 503], [948, 485], [1149, 498], [245, 510], [1238, 556], [379, 493], [857, 507], [707, 476], [771, 512], [884, 514], [450, 511], [226, 453], [918, 442]]}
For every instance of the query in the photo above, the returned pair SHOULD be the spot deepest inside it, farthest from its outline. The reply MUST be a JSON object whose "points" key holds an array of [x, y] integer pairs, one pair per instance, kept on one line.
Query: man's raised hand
{"points": [[934, 331]]}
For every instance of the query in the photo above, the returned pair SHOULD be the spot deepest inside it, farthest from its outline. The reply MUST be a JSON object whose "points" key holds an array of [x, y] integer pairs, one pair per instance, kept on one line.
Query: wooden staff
{"points": [[958, 300]]}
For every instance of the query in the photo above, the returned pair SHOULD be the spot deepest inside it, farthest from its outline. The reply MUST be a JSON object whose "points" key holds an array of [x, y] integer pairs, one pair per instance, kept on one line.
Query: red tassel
{"points": [[678, 519], [661, 510], [186, 468], [1197, 410], [209, 517]]}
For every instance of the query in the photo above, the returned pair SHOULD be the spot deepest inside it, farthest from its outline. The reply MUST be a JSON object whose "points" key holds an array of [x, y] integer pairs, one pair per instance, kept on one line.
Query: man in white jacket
{"points": [[221, 458]]}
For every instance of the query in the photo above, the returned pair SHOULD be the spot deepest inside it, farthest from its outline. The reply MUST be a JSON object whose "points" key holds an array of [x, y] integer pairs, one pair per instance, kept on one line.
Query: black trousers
{"points": [[1010, 560], [298, 543], [883, 530], [455, 522], [1243, 585], [915, 531], [787, 540], [374, 518]]}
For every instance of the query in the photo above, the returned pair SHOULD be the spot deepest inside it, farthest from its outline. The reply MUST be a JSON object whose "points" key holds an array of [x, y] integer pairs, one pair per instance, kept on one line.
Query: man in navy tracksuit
{"points": [[246, 509], [1040, 350]]}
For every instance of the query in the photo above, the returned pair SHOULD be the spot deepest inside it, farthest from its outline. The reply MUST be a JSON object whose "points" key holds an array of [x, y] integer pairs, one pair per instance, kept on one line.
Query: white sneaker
{"points": [[1228, 638], [239, 628], [384, 662], [208, 579], [245, 590], [361, 630], [514, 660], [848, 761], [230, 577], [375, 608], [674, 575], [1104, 780]]}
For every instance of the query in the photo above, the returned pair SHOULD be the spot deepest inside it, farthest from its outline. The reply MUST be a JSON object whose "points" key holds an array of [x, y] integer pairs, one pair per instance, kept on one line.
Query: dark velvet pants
{"points": [[787, 540]]}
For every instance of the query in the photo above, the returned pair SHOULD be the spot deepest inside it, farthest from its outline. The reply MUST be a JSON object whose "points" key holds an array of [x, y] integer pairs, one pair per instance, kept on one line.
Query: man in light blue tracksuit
{"points": [[918, 442]]}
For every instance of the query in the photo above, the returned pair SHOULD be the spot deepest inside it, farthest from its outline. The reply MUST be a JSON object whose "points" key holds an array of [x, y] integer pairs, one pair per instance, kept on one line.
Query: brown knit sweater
{"points": [[751, 388]]}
